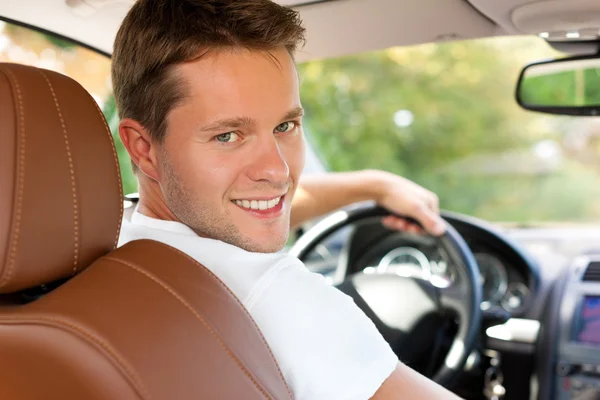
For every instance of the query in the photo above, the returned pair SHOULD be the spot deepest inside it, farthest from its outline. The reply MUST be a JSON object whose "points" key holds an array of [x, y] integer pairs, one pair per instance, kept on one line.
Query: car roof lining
{"points": [[334, 27]]}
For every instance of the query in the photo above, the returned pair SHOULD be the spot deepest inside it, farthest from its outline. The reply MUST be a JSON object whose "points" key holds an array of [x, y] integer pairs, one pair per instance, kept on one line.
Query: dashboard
{"points": [[544, 280], [503, 284], [509, 278]]}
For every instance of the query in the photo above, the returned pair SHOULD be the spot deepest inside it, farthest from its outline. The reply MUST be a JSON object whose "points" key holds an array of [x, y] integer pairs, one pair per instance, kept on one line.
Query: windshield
{"points": [[444, 115]]}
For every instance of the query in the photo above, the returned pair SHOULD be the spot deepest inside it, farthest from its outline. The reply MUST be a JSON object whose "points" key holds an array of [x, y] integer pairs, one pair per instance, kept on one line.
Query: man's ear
{"points": [[139, 145]]}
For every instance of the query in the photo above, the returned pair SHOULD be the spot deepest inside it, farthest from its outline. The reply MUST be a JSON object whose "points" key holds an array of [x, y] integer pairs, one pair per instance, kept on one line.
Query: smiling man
{"points": [[211, 117], [230, 163]]}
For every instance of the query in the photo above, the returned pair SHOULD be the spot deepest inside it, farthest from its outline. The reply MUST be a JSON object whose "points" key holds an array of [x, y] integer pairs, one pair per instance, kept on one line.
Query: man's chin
{"points": [[266, 242], [249, 234], [263, 238], [263, 246]]}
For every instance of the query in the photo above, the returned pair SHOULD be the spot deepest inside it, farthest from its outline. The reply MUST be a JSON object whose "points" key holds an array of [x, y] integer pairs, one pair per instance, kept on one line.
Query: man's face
{"points": [[234, 150]]}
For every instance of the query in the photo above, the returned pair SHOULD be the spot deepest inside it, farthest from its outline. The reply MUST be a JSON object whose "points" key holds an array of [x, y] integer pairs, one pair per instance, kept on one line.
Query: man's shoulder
{"points": [[245, 273], [305, 319]]}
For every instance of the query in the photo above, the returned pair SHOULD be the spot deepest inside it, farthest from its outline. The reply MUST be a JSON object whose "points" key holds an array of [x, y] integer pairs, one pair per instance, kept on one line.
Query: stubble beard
{"points": [[197, 216]]}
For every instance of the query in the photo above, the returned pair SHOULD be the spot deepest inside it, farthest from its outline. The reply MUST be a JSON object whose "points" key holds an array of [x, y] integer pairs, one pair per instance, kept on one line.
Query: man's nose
{"points": [[268, 163]]}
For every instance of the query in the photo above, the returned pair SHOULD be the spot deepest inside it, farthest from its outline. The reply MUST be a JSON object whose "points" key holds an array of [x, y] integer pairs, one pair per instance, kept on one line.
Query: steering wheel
{"points": [[408, 310]]}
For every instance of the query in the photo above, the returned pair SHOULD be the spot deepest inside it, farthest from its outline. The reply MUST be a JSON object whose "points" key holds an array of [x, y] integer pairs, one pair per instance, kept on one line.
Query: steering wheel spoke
{"points": [[454, 299]]}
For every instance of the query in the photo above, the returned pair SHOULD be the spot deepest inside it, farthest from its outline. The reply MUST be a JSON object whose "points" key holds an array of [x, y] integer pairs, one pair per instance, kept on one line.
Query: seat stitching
{"points": [[12, 253], [198, 316], [216, 278], [118, 170], [72, 177], [134, 379]]}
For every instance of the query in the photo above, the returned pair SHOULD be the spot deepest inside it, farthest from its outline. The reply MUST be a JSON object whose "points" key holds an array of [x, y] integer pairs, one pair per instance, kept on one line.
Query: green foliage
{"points": [[60, 43], [13, 30], [567, 88], [591, 83], [548, 90], [458, 132]]}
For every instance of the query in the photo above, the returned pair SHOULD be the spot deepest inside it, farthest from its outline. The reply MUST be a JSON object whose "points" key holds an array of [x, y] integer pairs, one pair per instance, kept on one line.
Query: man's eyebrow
{"points": [[237, 122], [294, 113], [228, 123]]}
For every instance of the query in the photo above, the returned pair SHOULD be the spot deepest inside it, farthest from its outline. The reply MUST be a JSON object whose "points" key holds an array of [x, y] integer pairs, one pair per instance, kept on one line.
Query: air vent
{"points": [[592, 273]]}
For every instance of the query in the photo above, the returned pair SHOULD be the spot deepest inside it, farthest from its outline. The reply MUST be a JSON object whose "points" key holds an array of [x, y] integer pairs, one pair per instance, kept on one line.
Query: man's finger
{"points": [[431, 221], [401, 224], [434, 203], [395, 223], [416, 229], [436, 225]]}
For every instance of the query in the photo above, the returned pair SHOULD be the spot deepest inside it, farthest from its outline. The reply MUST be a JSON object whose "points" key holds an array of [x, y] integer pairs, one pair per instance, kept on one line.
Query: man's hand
{"points": [[321, 194], [406, 198]]}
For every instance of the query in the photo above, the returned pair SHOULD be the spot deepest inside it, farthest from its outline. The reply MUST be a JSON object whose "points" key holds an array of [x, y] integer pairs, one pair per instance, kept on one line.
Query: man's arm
{"points": [[407, 384], [318, 195]]}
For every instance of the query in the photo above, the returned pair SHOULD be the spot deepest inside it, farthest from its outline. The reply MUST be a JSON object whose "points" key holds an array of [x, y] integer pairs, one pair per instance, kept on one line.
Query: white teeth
{"points": [[258, 204], [274, 202]]}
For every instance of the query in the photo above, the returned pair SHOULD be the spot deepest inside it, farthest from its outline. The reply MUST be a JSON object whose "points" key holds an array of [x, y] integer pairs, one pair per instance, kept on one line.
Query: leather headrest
{"points": [[60, 187]]}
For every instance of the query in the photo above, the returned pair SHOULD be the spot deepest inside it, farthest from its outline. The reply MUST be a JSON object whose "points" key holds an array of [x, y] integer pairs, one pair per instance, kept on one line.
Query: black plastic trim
{"points": [[528, 349], [463, 222], [312, 3], [547, 345], [585, 111]]}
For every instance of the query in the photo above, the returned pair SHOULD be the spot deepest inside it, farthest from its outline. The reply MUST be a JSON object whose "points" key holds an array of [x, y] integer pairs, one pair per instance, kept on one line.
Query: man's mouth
{"points": [[258, 205]]}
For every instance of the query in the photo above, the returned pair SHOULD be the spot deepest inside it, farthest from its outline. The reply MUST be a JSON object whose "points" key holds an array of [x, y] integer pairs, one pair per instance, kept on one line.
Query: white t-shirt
{"points": [[325, 345]]}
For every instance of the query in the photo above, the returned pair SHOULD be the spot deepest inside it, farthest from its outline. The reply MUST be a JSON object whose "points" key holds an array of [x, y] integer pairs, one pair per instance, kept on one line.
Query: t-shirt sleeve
{"points": [[325, 345]]}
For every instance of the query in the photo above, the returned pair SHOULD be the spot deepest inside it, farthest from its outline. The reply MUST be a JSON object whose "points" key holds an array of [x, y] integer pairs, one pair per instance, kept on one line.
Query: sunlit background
{"points": [[442, 114]]}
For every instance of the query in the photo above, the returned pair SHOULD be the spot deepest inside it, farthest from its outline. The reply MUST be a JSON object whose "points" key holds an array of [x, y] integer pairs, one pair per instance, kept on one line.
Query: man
{"points": [[211, 117]]}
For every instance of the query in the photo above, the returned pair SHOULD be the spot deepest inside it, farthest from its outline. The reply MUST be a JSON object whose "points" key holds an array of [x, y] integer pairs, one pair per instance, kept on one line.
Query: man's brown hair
{"points": [[158, 34]]}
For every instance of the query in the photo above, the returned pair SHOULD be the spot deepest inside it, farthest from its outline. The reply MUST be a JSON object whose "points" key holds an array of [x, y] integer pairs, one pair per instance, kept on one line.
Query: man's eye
{"points": [[285, 127], [229, 137]]}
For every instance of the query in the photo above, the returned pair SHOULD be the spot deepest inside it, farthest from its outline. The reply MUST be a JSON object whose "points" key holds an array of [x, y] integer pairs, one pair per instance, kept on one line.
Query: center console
{"points": [[578, 351]]}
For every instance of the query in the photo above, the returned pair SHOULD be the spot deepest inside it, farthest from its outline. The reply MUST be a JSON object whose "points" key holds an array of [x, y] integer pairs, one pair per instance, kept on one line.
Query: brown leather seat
{"points": [[140, 322]]}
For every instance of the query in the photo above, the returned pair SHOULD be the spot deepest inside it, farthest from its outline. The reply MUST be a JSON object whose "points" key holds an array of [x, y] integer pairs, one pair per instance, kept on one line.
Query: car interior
{"points": [[490, 310]]}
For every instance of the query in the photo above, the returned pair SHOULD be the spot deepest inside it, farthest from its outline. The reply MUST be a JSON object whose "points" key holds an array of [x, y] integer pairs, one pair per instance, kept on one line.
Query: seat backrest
{"points": [[143, 321]]}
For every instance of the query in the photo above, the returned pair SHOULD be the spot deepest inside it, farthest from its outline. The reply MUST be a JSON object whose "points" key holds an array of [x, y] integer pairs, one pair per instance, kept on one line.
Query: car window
{"points": [[444, 115], [92, 70]]}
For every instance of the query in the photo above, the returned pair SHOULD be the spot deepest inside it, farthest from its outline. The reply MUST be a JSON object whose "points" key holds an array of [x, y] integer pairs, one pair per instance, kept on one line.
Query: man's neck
{"points": [[152, 203]]}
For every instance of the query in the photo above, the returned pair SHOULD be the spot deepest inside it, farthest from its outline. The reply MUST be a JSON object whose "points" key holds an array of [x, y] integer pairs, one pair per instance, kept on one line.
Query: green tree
{"points": [[444, 115]]}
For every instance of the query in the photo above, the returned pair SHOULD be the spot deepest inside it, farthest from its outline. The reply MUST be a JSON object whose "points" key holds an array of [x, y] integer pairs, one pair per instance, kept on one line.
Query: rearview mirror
{"points": [[569, 86]]}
